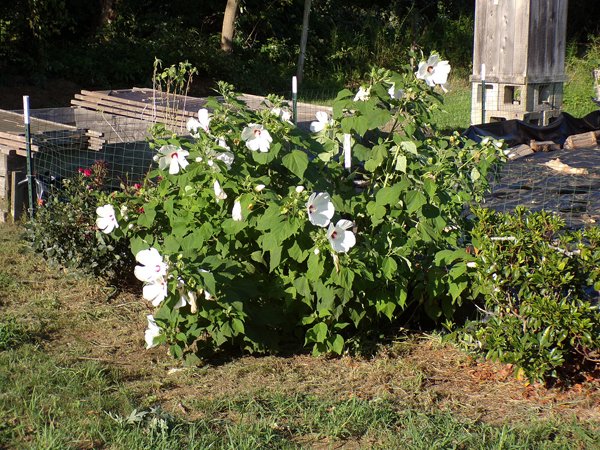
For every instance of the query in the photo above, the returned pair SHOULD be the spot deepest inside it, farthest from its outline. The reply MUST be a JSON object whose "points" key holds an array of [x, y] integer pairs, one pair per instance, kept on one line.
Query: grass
{"points": [[73, 374], [455, 112]]}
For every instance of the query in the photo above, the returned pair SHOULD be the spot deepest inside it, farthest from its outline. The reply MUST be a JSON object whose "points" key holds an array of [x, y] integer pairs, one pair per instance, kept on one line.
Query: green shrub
{"points": [[538, 284], [237, 260], [64, 228]]}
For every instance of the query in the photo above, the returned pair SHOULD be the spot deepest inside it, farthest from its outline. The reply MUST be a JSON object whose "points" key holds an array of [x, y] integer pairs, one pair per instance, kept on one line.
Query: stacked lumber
{"points": [[15, 144], [153, 108]]}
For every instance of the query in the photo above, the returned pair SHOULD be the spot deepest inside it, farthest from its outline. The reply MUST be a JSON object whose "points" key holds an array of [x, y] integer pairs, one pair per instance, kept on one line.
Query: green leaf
{"points": [[302, 286], [475, 175], [409, 146], [171, 245], [376, 212], [146, 219], [337, 345], [401, 163], [414, 201], [325, 299], [238, 326], [315, 268], [319, 332], [389, 195], [386, 307], [389, 267], [296, 162], [297, 253]]}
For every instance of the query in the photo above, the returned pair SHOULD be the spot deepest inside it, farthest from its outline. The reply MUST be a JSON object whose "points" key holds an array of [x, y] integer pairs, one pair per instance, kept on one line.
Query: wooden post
{"points": [[18, 198], [596, 73]]}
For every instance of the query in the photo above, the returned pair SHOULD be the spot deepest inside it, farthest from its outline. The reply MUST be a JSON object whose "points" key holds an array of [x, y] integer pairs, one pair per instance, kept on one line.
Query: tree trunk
{"points": [[303, 39], [229, 25], [107, 12]]}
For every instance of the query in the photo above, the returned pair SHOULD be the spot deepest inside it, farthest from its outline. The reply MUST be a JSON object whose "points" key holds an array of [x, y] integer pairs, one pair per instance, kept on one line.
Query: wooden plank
{"points": [[3, 187], [121, 112], [16, 141], [141, 110], [135, 113], [11, 151], [160, 110], [193, 102]]}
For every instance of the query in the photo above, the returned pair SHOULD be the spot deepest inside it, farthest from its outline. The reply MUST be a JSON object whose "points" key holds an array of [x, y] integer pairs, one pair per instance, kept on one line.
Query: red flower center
{"points": [[174, 155], [430, 69], [257, 133]]}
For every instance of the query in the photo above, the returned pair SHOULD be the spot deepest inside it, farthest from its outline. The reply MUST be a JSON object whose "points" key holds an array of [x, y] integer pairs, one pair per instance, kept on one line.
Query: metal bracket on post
{"points": [[295, 99], [26, 121]]}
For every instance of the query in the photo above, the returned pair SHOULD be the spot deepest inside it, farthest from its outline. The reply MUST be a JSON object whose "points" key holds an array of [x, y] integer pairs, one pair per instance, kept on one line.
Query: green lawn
{"points": [[74, 374]]}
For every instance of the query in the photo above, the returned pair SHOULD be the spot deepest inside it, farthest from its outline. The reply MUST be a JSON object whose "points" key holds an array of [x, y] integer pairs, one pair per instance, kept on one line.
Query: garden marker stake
{"points": [[28, 148], [347, 151], [483, 93], [295, 99]]}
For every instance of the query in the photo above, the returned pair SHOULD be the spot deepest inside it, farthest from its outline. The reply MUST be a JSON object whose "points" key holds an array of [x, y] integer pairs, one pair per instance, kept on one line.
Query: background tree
{"points": [[229, 16]]}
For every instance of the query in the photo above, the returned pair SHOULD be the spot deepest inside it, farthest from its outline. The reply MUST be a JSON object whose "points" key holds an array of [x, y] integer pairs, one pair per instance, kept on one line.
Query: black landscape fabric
{"points": [[516, 132]]}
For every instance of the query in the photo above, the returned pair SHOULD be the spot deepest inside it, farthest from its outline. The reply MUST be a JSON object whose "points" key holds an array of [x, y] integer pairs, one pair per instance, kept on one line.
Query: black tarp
{"points": [[516, 132]]}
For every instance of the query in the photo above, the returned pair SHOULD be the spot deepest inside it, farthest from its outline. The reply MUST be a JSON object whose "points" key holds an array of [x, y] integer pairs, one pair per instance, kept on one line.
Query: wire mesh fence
{"points": [[66, 140]]}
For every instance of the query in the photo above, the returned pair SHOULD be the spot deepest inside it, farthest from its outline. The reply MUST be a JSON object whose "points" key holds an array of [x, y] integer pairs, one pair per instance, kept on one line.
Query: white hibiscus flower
{"points": [[152, 332], [172, 157], [202, 123], [106, 221], [434, 71], [282, 113], [320, 209], [340, 237], [321, 123], [395, 94], [363, 94], [257, 138], [236, 212], [155, 291], [152, 266], [219, 193]]}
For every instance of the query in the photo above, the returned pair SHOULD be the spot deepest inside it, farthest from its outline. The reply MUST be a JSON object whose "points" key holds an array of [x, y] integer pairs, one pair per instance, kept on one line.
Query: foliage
{"points": [[249, 267], [64, 228], [539, 286]]}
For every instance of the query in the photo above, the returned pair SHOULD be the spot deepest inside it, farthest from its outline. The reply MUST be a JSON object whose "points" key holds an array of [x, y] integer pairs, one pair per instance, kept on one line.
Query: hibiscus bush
{"points": [[254, 233], [65, 229]]}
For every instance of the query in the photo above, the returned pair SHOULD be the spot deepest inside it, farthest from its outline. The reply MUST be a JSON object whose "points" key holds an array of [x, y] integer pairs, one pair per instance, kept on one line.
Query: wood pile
{"points": [[143, 104], [573, 142]]}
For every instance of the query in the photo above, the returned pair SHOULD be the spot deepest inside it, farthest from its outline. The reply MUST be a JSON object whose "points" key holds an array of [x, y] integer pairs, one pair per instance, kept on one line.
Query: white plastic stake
{"points": [[26, 109], [295, 99], [482, 72], [347, 151]]}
